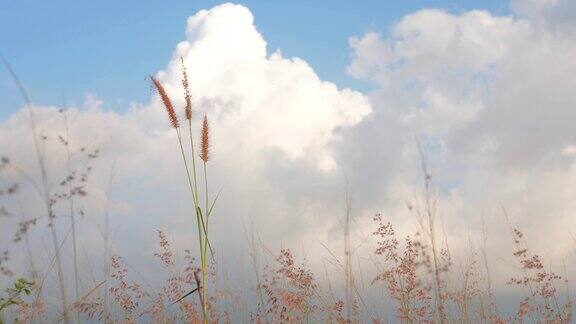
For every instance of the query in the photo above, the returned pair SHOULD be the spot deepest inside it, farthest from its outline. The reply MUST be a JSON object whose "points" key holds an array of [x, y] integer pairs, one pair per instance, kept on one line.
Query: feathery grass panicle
{"points": [[205, 141], [186, 86], [166, 101]]}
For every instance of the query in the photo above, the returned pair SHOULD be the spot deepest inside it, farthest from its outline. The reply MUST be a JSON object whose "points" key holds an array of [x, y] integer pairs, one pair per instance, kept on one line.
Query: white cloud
{"points": [[555, 15], [259, 101], [275, 126], [492, 97]]}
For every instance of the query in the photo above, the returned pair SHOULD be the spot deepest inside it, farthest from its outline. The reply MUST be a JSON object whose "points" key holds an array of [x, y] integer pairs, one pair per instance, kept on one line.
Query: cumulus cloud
{"points": [[275, 124], [275, 127], [492, 99], [260, 101], [556, 15]]}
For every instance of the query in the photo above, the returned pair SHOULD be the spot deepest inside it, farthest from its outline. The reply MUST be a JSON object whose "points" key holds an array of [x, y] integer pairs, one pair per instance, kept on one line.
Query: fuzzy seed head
{"points": [[166, 101], [205, 141], [187, 96]]}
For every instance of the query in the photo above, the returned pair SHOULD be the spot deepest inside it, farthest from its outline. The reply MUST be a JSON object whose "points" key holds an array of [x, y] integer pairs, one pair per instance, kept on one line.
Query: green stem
{"points": [[206, 209], [206, 229], [202, 235], [186, 165], [196, 201], [199, 221]]}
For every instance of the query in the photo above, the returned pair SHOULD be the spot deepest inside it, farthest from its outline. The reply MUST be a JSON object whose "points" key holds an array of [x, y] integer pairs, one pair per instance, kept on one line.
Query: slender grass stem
{"points": [[207, 242], [192, 182], [72, 216], [40, 157], [206, 209], [193, 163], [203, 234], [192, 178]]}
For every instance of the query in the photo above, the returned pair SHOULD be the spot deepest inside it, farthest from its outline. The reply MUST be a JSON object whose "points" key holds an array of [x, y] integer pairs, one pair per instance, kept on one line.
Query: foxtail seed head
{"points": [[166, 101], [205, 141], [187, 96]]}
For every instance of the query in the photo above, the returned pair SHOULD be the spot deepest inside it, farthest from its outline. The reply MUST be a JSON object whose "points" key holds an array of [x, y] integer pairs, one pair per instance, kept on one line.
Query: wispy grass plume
{"points": [[166, 102]]}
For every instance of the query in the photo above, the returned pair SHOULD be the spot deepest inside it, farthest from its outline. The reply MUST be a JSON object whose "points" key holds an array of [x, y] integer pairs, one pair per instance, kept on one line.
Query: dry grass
{"points": [[205, 141], [166, 102]]}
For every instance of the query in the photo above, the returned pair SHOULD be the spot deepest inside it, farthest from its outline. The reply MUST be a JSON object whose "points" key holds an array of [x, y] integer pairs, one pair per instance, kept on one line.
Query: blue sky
{"points": [[107, 48]]}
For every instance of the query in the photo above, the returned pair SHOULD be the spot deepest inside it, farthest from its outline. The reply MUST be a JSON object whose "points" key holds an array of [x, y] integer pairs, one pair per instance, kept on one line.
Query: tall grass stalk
{"points": [[348, 271], [107, 254], [256, 270], [71, 208], [44, 187], [28, 249], [493, 306], [202, 230], [427, 220], [202, 213]]}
